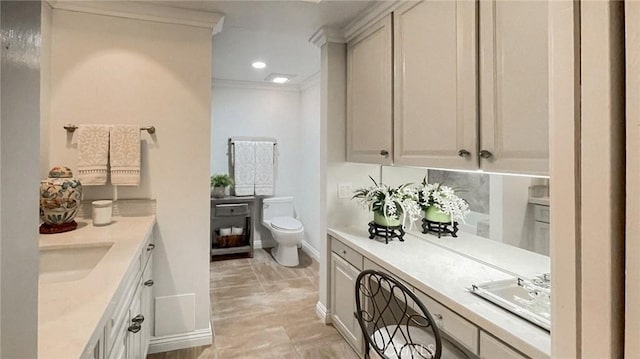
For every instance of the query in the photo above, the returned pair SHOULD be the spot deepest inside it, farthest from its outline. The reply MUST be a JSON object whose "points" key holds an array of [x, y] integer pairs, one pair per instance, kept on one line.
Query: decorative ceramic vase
{"points": [[386, 221], [218, 192], [433, 214], [60, 196]]}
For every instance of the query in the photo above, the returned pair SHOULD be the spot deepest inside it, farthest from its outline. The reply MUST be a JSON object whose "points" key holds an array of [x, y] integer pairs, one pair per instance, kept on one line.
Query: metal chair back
{"points": [[394, 322]]}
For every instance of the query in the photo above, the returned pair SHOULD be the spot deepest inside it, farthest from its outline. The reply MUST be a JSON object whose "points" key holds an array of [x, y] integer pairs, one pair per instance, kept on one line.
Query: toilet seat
{"points": [[286, 223]]}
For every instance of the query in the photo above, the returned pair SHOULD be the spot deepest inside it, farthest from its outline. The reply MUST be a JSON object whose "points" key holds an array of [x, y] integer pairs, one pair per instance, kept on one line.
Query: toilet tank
{"points": [[277, 207]]}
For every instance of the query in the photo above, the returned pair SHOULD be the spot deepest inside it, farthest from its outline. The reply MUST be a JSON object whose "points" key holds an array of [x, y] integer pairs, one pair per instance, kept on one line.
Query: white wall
{"points": [[310, 179], [259, 111], [19, 153], [125, 71], [290, 115]]}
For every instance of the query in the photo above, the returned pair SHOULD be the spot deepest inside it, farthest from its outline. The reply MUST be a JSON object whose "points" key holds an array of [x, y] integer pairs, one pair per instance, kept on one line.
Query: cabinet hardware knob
{"points": [[149, 283], [134, 328], [151, 246], [485, 154], [138, 319], [384, 153], [344, 253], [438, 316], [464, 153]]}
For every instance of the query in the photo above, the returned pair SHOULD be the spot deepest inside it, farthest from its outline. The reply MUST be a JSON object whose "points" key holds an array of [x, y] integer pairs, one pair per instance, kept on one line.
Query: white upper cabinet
{"points": [[470, 87], [435, 84], [369, 95], [514, 101]]}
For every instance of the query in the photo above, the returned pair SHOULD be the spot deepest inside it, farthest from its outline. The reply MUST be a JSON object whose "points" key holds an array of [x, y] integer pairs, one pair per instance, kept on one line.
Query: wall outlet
{"points": [[344, 190]]}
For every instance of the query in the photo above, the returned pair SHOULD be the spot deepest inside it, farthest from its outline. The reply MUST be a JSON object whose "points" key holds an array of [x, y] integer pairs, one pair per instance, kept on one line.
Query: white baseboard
{"points": [[167, 343], [309, 250], [322, 313]]}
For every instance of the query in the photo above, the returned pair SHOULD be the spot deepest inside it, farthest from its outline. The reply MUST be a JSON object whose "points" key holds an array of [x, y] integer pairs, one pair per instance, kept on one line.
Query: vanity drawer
{"points": [[458, 328], [491, 347], [227, 210], [541, 213], [345, 252]]}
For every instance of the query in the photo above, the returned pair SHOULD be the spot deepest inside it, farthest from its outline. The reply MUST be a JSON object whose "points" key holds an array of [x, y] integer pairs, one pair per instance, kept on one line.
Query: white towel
{"points": [[125, 155], [264, 168], [244, 167], [93, 152]]}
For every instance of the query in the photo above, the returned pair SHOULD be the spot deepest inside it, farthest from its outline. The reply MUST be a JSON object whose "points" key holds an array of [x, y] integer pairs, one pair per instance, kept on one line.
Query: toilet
{"points": [[278, 215]]}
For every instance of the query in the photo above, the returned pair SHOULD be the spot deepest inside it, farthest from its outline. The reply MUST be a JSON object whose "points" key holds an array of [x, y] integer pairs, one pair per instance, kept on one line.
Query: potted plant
{"points": [[391, 206], [440, 203], [219, 184]]}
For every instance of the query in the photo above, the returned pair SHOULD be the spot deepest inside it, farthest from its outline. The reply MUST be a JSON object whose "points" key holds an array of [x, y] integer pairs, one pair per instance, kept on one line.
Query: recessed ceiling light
{"points": [[259, 65], [279, 78]]}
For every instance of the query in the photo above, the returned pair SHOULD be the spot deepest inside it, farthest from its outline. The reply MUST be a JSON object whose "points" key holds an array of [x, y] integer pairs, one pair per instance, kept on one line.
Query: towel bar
{"points": [[150, 129]]}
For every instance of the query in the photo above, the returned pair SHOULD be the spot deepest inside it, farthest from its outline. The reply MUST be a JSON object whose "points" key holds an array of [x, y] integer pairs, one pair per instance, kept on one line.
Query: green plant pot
{"points": [[433, 214], [386, 221]]}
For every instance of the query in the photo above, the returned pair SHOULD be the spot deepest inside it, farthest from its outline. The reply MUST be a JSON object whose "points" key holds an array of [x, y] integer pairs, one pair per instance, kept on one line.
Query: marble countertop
{"points": [[70, 312], [446, 275]]}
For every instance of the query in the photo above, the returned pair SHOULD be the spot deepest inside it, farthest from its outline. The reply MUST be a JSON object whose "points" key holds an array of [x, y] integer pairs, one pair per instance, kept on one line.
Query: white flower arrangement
{"points": [[443, 198], [391, 202]]}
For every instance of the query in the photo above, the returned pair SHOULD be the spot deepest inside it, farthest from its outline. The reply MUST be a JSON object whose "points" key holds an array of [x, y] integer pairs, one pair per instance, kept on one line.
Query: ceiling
{"points": [[275, 32]]}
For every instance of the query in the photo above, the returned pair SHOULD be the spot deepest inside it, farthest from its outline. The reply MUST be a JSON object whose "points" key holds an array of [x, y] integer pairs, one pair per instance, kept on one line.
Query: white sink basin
{"points": [[69, 263]]}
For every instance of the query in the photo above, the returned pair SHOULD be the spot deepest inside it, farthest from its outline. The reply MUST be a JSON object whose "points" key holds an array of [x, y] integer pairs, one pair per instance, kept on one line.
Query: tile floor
{"points": [[263, 310]]}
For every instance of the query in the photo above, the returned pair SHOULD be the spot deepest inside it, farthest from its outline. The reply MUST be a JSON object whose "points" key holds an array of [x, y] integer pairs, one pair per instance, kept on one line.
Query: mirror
{"points": [[511, 210]]}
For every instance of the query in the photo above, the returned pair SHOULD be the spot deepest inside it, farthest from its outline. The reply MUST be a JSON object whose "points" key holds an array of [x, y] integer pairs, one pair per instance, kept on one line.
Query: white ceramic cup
{"points": [[101, 212]]}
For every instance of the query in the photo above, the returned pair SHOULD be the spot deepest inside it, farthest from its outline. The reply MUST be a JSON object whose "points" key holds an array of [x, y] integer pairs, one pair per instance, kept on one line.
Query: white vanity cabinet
{"points": [[463, 328], [127, 330], [435, 106], [343, 280], [369, 95]]}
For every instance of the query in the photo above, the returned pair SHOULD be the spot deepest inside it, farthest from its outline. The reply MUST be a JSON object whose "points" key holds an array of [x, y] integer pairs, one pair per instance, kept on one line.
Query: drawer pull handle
{"points": [[151, 246], [384, 153], [134, 328], [485, 154], [149, 283], [464, 153], [138, 319], [344, 253], [438, 317]]}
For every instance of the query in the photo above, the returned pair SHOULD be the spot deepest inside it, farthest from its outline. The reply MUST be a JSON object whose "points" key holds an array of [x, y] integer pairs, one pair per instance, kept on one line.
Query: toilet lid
{"points": [[286, 223]]}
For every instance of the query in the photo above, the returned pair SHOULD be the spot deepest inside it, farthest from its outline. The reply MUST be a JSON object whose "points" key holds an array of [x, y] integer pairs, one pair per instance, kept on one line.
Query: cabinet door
{"points": [[435, 82], [369, 91], [134, 338], [146, 307], [514, 101], [343, 281], [541, 237]]}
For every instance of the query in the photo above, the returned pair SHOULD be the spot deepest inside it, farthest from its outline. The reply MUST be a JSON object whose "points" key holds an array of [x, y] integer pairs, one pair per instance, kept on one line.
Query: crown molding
{"points": [[146, 11], [369, 16], [327, 34], [254, 85], [310, 81]]}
